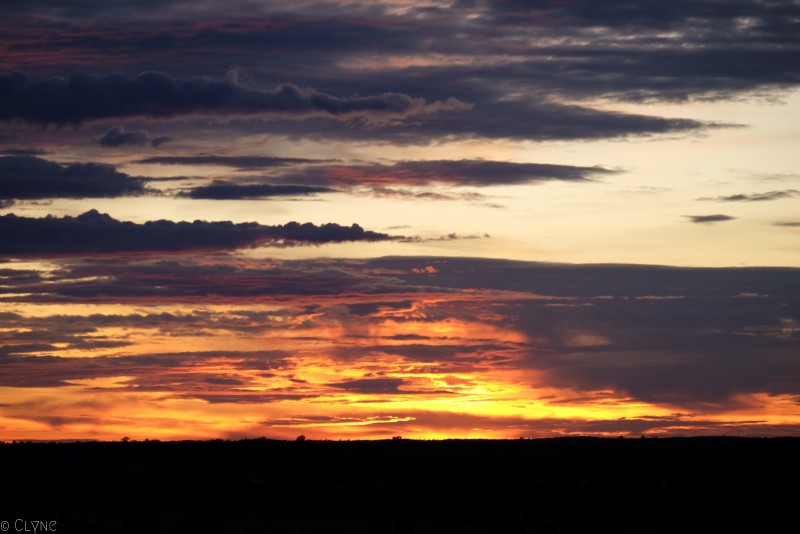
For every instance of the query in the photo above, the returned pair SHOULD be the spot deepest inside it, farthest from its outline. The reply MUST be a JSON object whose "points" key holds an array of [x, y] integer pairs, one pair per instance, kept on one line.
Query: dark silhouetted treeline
{"points": [[677, 485]]}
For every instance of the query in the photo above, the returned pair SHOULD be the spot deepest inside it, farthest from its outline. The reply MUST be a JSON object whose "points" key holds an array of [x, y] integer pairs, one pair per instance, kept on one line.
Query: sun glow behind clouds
{"points": [[429, 348]]}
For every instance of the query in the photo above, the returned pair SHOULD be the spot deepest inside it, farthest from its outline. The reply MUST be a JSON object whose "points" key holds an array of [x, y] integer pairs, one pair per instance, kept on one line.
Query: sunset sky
{"points": [[434, 219]]}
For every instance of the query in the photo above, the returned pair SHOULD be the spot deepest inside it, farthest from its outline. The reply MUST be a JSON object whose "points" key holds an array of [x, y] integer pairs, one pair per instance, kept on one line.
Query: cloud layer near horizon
{"points": [[603, 349]]}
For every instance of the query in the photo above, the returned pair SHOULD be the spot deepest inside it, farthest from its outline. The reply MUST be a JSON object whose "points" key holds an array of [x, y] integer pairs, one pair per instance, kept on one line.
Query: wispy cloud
{"points": [[448, 172], [236, 162], [229, 191], [755, 197], [708, 219]]}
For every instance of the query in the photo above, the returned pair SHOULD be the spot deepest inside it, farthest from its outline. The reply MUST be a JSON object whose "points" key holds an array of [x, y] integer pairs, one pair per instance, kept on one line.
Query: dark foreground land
{"points": [[552, 485]]}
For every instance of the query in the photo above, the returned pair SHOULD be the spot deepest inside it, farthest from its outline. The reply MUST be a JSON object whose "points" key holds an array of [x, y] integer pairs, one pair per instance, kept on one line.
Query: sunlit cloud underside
{"points": [[416, 347]]}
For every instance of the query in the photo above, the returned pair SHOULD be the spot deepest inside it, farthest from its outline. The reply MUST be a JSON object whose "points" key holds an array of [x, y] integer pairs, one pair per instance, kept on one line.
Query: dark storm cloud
{"points": [[449, 172], [117, 136], [229, 191], [93, 232], [273, 34], [708, 219], [515, 120], [82, 98], [755, 197], [236, 162], [519, 70], [631, 50], [643, 51], [28, 177], [514, 76]]}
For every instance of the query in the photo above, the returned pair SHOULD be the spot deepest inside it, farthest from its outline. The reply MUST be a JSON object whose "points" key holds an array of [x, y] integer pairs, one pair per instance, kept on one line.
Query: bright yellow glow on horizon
{"points": [[439, 364]]}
